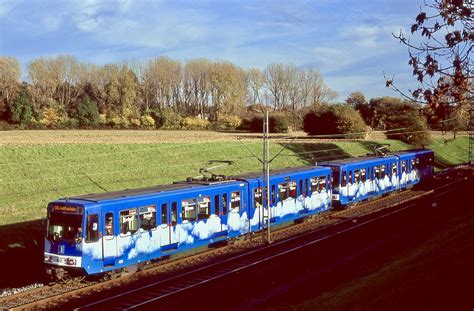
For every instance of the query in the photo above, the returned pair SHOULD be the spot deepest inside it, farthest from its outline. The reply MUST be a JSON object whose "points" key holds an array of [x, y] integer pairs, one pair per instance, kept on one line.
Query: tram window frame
{"points": [[109, 215], [257, 199], [147, 210], [134, 217], [92, 232], [174, 213], [301, 189], [343, 179], [356, 176], [306, 186], [189, 210], [394, 168], [314, 184], [235, 197], [225, 204], [164, 213], [292, 193], [217, 208], [282, 191], [207, 210], [404, 166], [377, 172], [322, 181], [274, 194]]}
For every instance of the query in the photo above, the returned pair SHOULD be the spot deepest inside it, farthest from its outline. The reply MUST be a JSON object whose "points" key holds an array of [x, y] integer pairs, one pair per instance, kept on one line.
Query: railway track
{"points": [[177, 276]]}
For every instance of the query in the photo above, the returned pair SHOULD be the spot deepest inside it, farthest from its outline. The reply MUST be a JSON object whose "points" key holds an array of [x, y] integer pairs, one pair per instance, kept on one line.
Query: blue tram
{"points": [[100, 233], [97, 233]]}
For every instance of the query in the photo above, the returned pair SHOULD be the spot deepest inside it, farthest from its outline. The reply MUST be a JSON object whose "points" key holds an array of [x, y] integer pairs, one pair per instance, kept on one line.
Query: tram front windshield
{"points": [[64, 226]]}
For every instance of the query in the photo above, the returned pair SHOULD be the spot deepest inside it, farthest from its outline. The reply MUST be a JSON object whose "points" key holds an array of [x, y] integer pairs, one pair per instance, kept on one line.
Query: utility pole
{"points": [[266, 174]]}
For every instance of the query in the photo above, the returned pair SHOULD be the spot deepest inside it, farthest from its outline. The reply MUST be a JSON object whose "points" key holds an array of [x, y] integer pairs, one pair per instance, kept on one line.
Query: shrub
{"points": [[53, 117], [86, 112], [102, 119], [147, 121], [118, 122], [227, 122], [190, 123], [334, 119], [134, 122], [5, 126], [276, 124], [19, 110], [168, 119]]}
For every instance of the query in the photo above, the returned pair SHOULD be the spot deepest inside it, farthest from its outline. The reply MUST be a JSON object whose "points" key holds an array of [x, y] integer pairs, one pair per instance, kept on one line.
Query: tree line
{"points": [[60, 90]]}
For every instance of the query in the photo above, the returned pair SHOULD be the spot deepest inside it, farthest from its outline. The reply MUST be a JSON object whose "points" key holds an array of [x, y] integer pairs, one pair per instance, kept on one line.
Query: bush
{"points": [[190, 123], [227, 122], [134, 122], [4, 126], [53, 117], [102, 119], [118, 122], [86, 112], [168, 119], [334, 119], [19, 110], [276, 124], [147, 121]]}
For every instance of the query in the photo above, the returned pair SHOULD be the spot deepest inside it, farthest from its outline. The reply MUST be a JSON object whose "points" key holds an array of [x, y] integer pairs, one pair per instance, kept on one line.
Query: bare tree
{"points": [[255, 81], [10, 73]]}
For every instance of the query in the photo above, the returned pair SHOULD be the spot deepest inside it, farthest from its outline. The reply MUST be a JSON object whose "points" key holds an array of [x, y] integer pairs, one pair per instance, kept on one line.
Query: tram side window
{"points": [[235, 201], [174, 213], [302, 190], [377, 172], [404, 166], [292, 189], [322, 183], [363, 175], [344, 179], [382, 171], [282, 191], [129, 221], [216, 205], [164, 213], [273, 194], [314, 184], [394, 169], [350, 178], [189, 209], [224, 204], [92, 228], [257, 197], [204, 210], [356, 176], [109, 224], [148, 217]]}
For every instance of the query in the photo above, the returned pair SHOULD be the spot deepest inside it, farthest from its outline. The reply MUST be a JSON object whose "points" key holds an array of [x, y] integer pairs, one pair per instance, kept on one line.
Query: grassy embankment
{"points": [[31, 176]]}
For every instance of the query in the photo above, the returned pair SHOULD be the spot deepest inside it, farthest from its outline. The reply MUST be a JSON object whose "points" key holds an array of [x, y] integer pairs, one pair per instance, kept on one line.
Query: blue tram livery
{"points": [[98, 233]]}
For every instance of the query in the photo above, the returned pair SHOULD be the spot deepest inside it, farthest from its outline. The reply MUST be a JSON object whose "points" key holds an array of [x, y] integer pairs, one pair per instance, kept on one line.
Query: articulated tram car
{"points": [[358, 179], [97, 233], [102, 232]]}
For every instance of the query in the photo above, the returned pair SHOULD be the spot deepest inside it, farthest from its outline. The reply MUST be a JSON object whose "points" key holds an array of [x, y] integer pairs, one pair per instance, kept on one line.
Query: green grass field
{"points": [[31, 176]]}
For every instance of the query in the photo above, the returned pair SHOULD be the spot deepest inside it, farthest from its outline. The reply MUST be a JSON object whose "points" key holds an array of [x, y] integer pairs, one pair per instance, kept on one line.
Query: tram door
{"points": [[109, 239], [169, 220]]}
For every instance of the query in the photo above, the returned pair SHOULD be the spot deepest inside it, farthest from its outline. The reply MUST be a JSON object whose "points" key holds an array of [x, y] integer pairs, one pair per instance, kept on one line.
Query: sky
{"points": [[349, 41]]}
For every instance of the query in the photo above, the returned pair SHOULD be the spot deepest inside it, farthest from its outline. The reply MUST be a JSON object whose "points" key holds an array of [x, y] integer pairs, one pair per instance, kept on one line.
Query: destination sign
{"points": [[65, 208]]}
